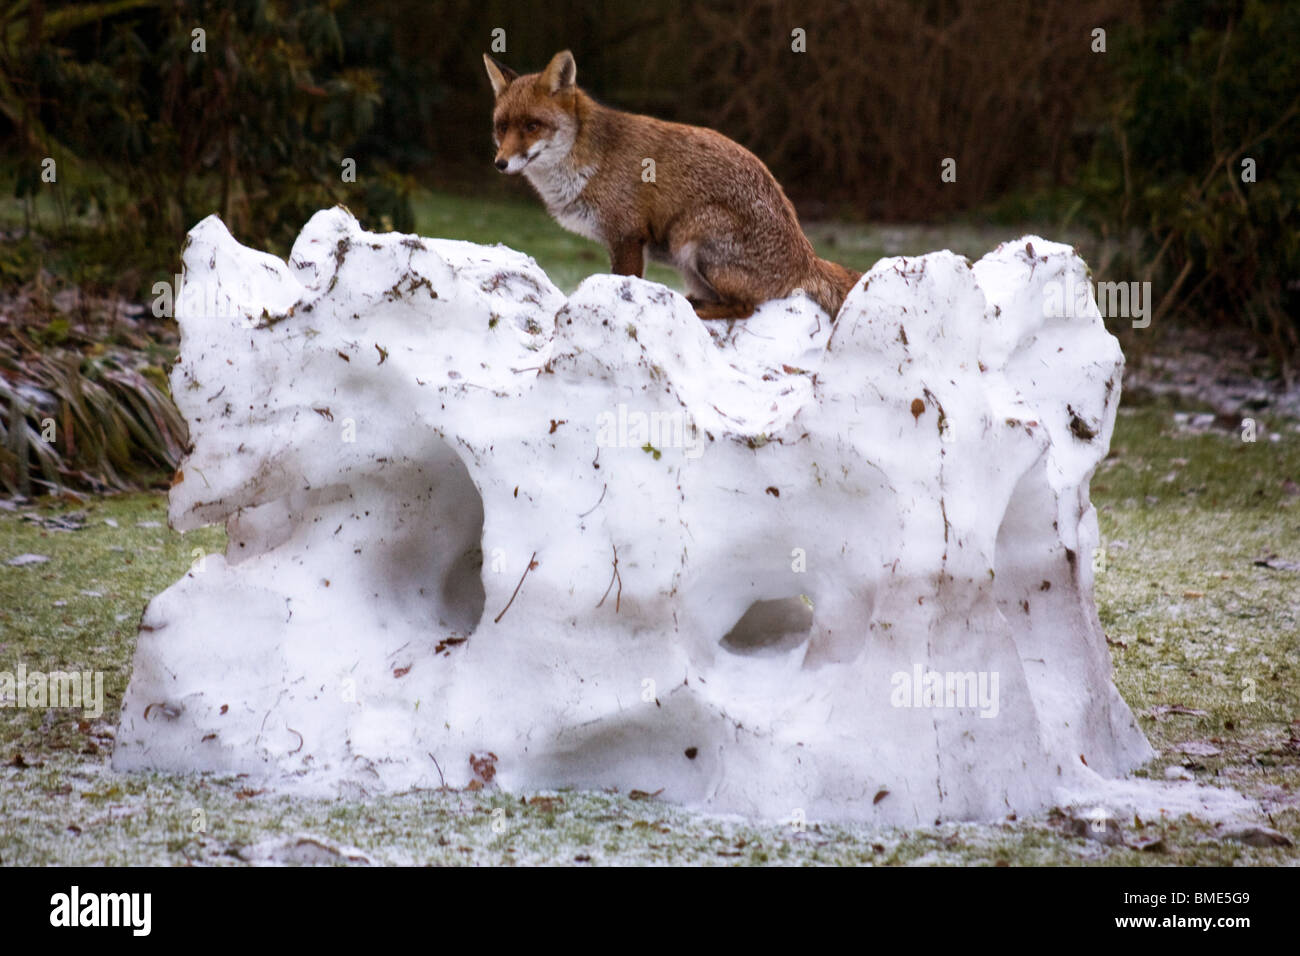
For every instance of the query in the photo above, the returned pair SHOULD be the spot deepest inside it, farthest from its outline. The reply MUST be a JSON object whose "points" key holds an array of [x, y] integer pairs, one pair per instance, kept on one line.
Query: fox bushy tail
{"points": [[828, 283]]}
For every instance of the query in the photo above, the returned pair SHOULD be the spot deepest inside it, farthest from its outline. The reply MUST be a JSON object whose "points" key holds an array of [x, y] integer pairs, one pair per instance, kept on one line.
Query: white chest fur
{"points": [[560, 187]]}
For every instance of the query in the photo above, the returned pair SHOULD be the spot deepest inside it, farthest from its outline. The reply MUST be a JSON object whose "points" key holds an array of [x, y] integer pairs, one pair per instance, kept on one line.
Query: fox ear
{"points": [[560, 72], [500, 74]]}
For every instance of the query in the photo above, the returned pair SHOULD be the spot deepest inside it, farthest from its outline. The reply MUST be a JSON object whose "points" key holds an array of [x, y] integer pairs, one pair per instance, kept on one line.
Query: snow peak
{"points": [[102, 909]]}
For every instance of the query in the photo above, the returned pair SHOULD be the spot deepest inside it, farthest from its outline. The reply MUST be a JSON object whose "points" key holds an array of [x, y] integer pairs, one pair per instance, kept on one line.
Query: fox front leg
{"points": [[627, 257]]}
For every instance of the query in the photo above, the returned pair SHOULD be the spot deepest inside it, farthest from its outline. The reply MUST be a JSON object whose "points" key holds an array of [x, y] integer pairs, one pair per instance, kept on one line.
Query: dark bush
{"points": [[153, 126], [1209, 85]]}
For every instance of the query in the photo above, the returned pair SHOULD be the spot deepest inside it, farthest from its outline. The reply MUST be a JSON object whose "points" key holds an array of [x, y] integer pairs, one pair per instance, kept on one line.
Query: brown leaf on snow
{"points": [[484, 766]]}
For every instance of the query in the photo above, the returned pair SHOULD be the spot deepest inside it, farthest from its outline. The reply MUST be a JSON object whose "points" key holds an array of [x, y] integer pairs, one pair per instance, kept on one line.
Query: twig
{"points": [[441, 778], [532, 563], [618, 598], [598, 501]]}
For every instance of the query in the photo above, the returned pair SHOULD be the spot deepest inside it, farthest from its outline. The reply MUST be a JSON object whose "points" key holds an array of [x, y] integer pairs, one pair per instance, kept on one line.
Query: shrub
{"points": [[154, 124], [1209, 86]]}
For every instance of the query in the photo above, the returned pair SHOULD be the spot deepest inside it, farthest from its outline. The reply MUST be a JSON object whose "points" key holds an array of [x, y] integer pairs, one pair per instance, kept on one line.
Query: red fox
{"points": [[687, 196]]}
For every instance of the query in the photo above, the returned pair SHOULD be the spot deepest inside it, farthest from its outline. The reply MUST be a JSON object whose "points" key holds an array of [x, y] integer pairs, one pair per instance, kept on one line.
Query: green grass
{"points": [[511, 214], [506, 212], [1195, 622], [514, 217]]}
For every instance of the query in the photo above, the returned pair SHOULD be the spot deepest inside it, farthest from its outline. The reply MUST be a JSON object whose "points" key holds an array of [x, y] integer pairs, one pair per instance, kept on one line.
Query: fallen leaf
{"points": [[484, 766]]}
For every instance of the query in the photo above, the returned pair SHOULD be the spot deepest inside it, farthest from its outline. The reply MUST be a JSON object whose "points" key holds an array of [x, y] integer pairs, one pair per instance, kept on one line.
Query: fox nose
{"points": [[502, 164]]}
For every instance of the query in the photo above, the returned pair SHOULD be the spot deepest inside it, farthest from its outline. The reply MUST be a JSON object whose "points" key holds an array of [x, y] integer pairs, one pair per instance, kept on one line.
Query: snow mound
{"points": [[779, 567]]}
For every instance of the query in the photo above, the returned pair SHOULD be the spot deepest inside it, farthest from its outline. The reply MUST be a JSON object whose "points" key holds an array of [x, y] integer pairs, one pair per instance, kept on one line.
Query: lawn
{"points": [[1203, 637]]}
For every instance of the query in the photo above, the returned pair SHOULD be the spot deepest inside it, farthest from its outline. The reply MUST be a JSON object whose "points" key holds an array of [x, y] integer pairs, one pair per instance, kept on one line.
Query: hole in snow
{"points": [[462, 591], [457, 509], [771, 627]]}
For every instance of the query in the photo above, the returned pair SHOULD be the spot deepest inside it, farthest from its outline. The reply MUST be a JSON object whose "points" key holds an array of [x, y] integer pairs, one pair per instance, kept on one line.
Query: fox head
{"points": [[534, 122]]}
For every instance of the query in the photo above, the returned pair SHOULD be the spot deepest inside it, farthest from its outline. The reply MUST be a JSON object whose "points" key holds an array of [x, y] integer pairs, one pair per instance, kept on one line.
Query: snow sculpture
{"points": [[779, 568]]}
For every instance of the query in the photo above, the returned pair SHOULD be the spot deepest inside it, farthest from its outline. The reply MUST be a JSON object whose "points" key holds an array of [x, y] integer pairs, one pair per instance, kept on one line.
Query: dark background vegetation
{"points": [[1140, 146]]}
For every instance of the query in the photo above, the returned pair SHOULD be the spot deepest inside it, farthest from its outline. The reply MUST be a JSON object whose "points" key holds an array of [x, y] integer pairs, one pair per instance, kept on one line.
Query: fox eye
{"points": [[501, 129], [532, 126]]}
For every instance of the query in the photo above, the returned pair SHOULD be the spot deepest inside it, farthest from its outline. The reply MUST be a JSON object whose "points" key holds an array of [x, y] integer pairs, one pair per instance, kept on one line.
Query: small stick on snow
{"points": [[618, 598], [532, 563], [439, 769], [597, 504]]}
